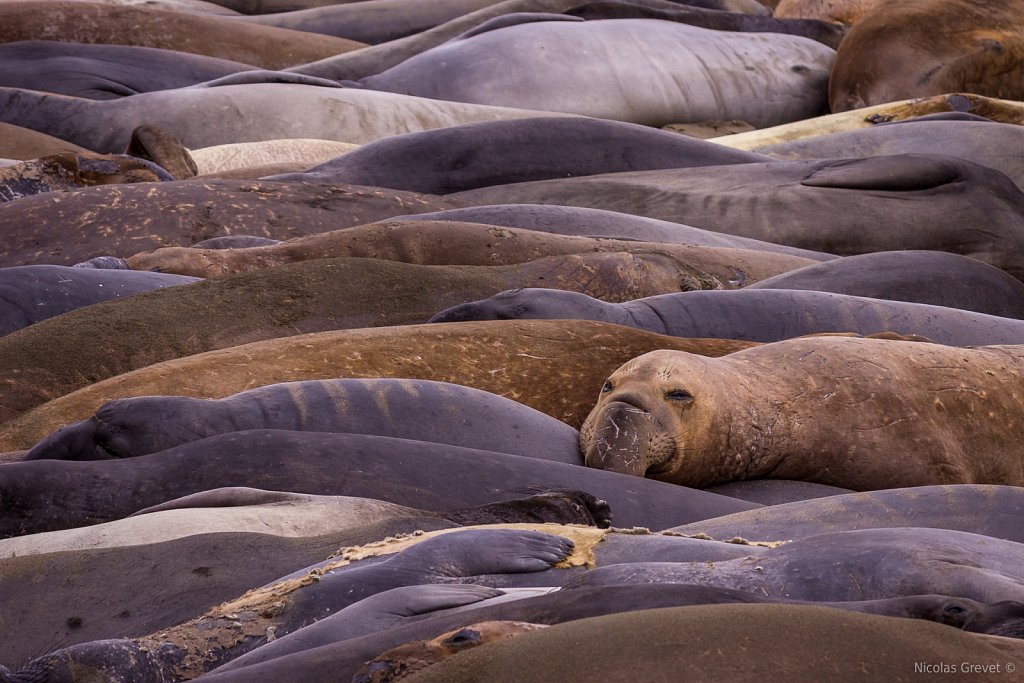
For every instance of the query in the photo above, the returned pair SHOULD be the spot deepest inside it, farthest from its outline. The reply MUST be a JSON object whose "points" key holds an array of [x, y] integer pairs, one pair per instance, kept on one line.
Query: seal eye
{"points": [[464, 638], [954, 609], [679, 395], [607, 386]]}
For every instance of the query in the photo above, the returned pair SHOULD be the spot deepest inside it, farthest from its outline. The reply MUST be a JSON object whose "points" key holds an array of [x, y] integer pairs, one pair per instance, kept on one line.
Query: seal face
{"points": [[648, 417]]}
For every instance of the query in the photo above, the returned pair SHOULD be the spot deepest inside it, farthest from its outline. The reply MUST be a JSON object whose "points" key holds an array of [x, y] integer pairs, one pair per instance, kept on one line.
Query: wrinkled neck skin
{"points": [[615, 313], [734, 435]]}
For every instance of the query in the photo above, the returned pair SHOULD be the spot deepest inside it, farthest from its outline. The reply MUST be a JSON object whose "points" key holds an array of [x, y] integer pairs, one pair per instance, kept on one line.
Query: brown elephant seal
{"points": [[809, 643], [64, 228], [831, 410], [714, 261], [399, 662], [86, 22], [918, 48]]}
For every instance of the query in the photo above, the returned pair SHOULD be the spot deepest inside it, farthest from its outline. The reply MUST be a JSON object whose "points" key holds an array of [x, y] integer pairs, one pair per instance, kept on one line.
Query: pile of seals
{"points": [[527, 340]]}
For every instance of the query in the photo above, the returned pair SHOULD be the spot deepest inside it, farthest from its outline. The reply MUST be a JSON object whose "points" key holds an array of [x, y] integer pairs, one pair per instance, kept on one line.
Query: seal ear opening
{"points": [[896, 173]]}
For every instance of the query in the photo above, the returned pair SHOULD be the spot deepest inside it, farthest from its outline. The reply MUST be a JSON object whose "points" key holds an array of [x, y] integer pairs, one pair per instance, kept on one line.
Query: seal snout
{"points": [[461, 313], [615, 438], [76, 441]]}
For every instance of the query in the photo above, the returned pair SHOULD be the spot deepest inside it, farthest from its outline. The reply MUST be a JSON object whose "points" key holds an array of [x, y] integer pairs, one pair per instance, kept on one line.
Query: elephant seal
{"points": [[242, 510], [925, 277], [474, 155], [986, 510], [809, 643], [864, 564], [205, 117], [1001, 111], [499, 67], [49, 495], [68, 227], [781, 409], [923, 201], [29, 294], [213, 36], [329, 645], [929, 47], [69, 171], [408, 409], [104, 72], [711, 261], [584, 222], [57, 356], [555, 367], [984, 142], [763, 315]]}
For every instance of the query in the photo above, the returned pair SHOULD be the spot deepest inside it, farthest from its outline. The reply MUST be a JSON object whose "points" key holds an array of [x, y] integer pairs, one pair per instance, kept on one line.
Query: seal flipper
{"points": [[376, 613], [941, 116], [894, 173], [485, 551], [158, 146], [226, 497]]}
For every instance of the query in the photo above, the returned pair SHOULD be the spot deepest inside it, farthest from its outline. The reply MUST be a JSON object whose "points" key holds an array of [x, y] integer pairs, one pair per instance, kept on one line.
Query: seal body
{"points": [[829, 410], [550, 66], [409, 409], [923, 200], [763, 315]]}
